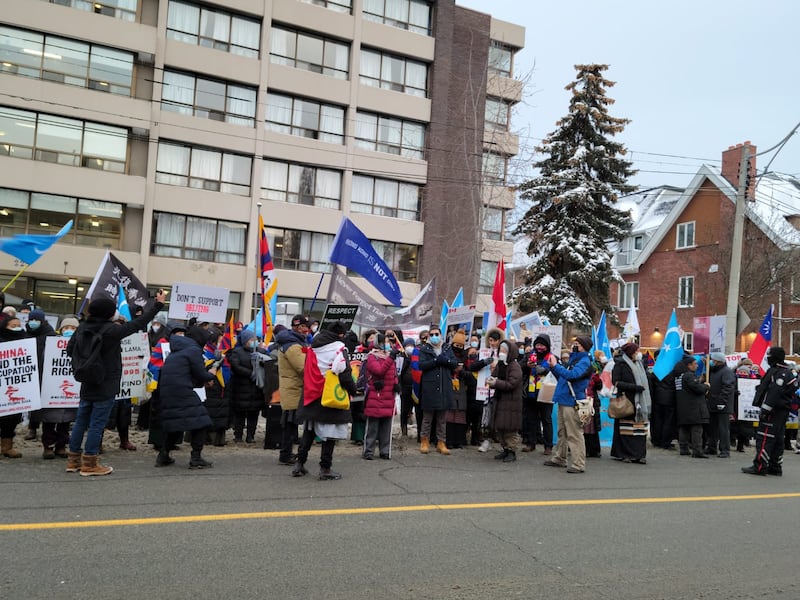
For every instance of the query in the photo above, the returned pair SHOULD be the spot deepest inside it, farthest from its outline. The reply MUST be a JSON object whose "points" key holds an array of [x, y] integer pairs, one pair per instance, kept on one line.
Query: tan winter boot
{"points": [[90, 465], [73, 462], [7, 448], [424, 445], [442, 448]]}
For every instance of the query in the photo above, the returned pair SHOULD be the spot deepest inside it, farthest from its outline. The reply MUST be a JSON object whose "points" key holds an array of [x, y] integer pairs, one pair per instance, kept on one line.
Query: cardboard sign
{"points": [[59, 388], [202, 302], [19, 377], [346, 313]]}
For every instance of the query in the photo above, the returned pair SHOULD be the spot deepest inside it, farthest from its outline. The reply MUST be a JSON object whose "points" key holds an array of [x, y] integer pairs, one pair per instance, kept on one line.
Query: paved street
{"points": [[459, 527]]}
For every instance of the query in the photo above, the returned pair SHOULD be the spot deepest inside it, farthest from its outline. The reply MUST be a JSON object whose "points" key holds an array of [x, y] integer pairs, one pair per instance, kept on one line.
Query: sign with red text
{"points": [[135, 356], [19, 377], [201, 302], [59, 388]]}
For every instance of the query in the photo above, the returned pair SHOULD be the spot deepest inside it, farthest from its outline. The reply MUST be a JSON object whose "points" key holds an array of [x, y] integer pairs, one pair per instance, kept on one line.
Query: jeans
{"points": [[92, 418]]}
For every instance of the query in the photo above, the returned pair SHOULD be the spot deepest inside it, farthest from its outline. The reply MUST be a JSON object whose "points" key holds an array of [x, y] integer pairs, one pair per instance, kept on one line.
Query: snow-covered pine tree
{"points": [[572, 215]]}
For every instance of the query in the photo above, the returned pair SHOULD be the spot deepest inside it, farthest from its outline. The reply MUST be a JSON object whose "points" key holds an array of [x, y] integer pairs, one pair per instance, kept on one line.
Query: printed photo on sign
{"points": [[59, 388], [19, 377], [460, 318]]}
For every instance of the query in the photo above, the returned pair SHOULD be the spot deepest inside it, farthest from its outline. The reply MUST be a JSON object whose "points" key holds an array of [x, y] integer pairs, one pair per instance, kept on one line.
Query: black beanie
{"points": [[102, 308], [775, 355], [198, 334]]}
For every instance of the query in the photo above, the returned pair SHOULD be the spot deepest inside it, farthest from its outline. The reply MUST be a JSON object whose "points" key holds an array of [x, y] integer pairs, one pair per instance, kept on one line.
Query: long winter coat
{"points": [[6, 335], [291, 361], [380, 403], [217, 403], [183, 370], [112, 352], [722, 390], [691, 400], [313, 410], [436, 387], [245, 395], [622, 377], [507, 396]]}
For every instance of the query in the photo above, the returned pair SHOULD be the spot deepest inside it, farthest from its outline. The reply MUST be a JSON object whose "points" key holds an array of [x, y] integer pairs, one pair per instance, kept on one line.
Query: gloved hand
{"points": [[720, 407], [540, 370], [378, 385], [765, 416], [442, 360], [639, 388]]}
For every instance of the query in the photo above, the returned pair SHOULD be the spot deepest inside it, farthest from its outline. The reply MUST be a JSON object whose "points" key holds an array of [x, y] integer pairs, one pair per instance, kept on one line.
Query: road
{"points": [[458, 527]]}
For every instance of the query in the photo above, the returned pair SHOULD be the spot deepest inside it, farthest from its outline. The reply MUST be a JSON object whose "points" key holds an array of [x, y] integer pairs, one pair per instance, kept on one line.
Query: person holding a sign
{"points": [[379, 401], [506, 381], [246, 399], [10, 331]]}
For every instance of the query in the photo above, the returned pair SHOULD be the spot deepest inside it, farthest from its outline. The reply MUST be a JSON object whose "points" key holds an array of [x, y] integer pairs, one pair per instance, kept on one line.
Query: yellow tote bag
{"points": [[333, 395]]}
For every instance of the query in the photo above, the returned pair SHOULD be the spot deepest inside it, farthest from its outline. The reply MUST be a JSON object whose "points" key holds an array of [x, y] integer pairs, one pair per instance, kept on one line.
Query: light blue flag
{"points": [[443, 318], [122, 305], [508, 322], [671, 350], [458, 301], [30, 247], [601, 341]]}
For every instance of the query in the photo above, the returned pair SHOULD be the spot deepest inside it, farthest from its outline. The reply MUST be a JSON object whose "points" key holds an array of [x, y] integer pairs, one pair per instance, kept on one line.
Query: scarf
{"points": [[642, 399]]}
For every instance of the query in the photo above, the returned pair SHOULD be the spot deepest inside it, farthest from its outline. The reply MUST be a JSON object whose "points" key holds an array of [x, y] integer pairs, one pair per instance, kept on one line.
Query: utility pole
{"points": [[736, 254]]}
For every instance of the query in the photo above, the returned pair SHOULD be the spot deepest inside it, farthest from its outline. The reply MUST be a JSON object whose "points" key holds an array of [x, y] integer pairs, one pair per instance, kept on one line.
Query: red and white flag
{"points": [[758, 351], [497, 316]]}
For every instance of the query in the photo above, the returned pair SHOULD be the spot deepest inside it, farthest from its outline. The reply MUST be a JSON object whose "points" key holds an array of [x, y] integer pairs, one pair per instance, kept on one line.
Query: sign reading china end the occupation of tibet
{"points": [[19, 377], [202, 302]]}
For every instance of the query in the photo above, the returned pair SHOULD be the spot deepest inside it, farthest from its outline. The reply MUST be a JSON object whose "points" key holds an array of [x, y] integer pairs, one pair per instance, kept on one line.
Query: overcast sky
{"points": [[693, 76]]}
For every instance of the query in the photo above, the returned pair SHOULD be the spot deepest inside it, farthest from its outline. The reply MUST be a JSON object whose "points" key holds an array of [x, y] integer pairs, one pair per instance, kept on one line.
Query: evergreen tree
{"points": [[572, 217]]}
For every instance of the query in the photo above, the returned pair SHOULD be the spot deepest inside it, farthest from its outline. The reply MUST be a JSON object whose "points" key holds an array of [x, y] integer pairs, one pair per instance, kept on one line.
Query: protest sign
{"points": [[202, 302], [19, 377], [135, 355], [346, 313], [460, 318], [482, 392], [59, 388], [554, 331]]}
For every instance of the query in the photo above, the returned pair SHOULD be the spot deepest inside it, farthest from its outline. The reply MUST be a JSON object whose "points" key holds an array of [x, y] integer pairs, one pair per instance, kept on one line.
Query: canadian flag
{"points": [[497, 317], [758, 351]]}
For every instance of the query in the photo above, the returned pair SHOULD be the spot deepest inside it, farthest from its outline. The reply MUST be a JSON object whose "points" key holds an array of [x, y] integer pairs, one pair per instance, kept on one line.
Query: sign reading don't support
{"points": [[201, 302]]}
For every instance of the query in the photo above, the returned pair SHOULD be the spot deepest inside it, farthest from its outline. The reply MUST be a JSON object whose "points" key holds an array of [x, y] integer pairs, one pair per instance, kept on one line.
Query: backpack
{"points": [[87, 356]]}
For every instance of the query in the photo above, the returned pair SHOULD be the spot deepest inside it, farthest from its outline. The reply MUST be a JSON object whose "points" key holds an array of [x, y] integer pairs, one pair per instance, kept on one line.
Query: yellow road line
{"points": [[379, 510]]}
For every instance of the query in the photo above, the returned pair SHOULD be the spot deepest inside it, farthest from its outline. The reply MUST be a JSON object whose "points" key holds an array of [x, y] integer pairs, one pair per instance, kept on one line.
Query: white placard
{"points": [[482, 392], [59, 388], [135, 356], [203, 302], [19, 377], [556, 333], [747, 392]]}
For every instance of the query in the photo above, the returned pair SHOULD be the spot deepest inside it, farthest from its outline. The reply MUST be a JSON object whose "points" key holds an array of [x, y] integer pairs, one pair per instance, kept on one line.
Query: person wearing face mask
{"points": [[10, 330], [359, 424], [720, 405], [629, 442], [456, 416], [506, 381], [217, 402], [493, 338], [291, 364], [437, 365], [379, 398], [540, 414], [313, 327], [246, 399], [474, 406], [40, 329], [156, 331], [406, 385]]}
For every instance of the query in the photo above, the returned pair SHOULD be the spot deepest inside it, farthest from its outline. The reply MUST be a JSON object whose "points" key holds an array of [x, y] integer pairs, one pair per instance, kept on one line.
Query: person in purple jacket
{"points": [[379, 402]]}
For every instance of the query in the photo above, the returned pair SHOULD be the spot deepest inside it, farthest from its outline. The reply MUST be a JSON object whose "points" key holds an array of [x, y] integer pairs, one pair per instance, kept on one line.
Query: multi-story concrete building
{"points": [[159, 126]]}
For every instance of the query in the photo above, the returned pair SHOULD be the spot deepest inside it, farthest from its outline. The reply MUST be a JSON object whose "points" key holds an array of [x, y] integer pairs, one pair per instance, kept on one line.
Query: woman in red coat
{"points": [[379, 398]]}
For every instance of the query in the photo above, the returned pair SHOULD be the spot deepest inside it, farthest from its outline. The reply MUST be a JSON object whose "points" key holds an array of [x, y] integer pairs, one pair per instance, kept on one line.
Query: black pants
{"points": [[8, 425], [719, 433], [197, 437], [288, 435], [240, 417], [769, 441], [474, 416], [663, 425], [543, 421], [326, 455], [55, 435], [143, 418]]}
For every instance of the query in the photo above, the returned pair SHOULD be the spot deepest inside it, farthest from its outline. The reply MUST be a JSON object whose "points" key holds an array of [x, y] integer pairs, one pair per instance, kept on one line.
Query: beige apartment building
{"points": [[162, 127]]}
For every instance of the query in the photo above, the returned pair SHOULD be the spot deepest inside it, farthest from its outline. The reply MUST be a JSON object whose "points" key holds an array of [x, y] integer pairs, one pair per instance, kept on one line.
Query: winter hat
{"points": [[246, 335], [278, 328], [198, 334], [689, 359], [775, 355], [717, 357], [298, 320], [630, 349], [338, 327], [175, 325], [459, 337], [495, 334], [36, 315], [409, 342], [584, 341], [69, 321], [103, 308]]}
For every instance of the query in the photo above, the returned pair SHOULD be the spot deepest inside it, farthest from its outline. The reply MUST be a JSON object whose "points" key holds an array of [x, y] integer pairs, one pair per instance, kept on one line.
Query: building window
{"points": [[119, 9], [203, 169], [196, 238], [794, 291], [795, 343], [629, 294], [309, 52], [305, 118], [301, 184], [300, 250], [496, 114], [688, 342], [386, 197], [386, 134], [400, 258], [62, 60], [95, 223], [493, 223], [207, 98], [638, 242], [25, 134], [413, 15], [213, 28], [686, 292], [685, 235], [500, 60], [494, 168], [486, 277], [395, 73], [343, 6]]}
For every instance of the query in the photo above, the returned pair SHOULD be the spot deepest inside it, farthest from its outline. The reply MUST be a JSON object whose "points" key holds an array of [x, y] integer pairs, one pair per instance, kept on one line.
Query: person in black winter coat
{"points": [[246, 399], [40, 329], [10, 330], [217, 402], [181, 407], [692, 409], [437, 364], [720, 405], [664, 424]]}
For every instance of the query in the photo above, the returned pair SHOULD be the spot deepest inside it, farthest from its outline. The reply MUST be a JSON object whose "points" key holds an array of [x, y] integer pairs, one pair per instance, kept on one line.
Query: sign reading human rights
{"points": [[201, 302], [19, 377], [59, 388]]}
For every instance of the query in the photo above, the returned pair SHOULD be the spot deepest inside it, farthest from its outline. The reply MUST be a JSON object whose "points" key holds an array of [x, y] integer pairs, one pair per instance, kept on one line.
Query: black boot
{"points": [[501, 455], [328, 474], [299, 469], [219, 438], [198, 462], [510, 457], [164, 459]]}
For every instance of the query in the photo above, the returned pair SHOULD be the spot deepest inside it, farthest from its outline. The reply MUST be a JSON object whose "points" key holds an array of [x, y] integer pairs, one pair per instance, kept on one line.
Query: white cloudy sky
{"points": [[693, 76]]}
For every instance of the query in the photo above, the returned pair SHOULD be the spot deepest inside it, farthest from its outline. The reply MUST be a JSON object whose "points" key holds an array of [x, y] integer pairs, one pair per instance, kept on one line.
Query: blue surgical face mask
{"points": [[435, 340], [387, 347], [67, 333], [16, 328], [34, 324], [473, 344], [252, 344]]}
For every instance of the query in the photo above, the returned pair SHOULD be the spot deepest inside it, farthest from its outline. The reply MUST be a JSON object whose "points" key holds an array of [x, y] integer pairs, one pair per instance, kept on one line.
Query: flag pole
{"points": [[13, 279], [316, 293]]}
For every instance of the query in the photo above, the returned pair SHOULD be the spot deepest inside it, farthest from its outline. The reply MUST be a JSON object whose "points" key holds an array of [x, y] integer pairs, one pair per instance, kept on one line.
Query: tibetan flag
{"points": [[269, 282], [497, 316], [671, 349], [122, 305], [758, 351], [228, 340], [210, 357], [30, 247]]}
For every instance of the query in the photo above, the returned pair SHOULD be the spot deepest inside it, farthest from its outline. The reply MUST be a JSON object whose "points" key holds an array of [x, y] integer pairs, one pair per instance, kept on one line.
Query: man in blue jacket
{"points": [[571, 386]]}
